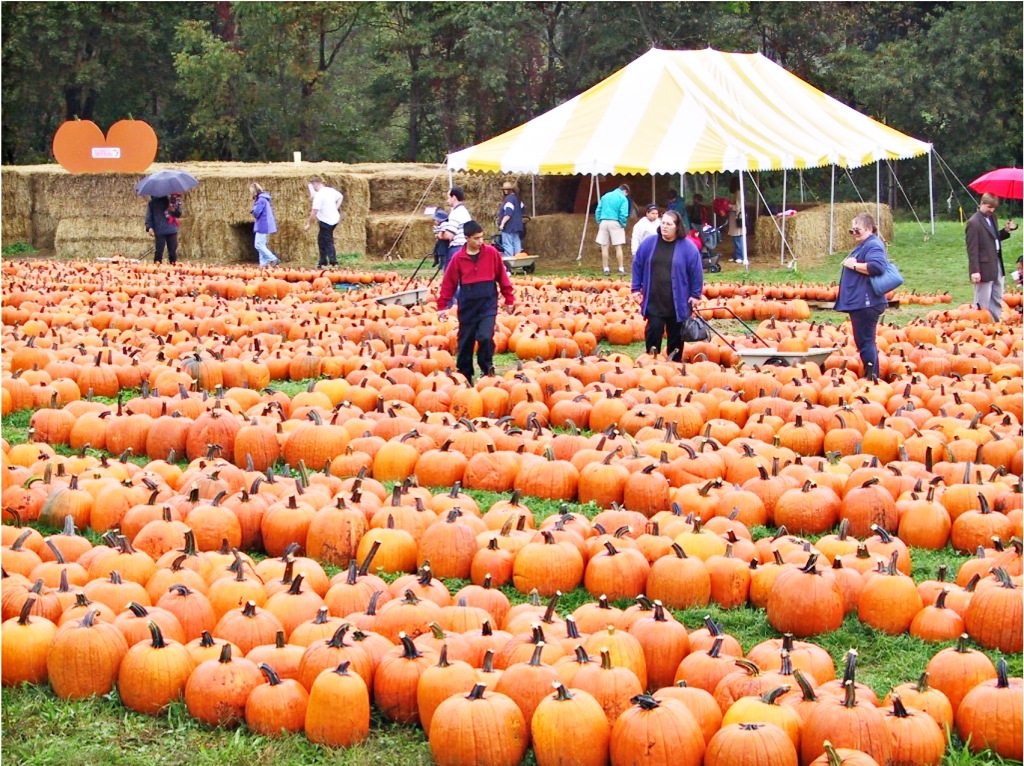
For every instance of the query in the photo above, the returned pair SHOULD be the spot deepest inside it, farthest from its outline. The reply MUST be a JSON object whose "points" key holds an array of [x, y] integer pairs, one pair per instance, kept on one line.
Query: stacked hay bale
{"points": [[807, 232], [99, 215], [16, 202]]}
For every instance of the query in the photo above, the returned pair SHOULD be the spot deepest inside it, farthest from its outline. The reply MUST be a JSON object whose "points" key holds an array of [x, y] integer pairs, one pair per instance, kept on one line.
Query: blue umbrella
{"points": [[165, 182]]}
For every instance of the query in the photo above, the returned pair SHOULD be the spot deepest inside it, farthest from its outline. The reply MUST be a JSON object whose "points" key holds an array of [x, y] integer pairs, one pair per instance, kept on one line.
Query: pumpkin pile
{"points": [[366, 471]]}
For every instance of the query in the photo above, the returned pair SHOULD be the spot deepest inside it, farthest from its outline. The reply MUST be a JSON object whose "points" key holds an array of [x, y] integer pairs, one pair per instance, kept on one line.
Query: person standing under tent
{"points": [[510, 221], [739, 238], [985, 255], [700, 214], [612, 214], [162, 214], [326, 210], [645, 227], [478, 273], [264, 226], [667, 282], [677, 203], [857, 297]]}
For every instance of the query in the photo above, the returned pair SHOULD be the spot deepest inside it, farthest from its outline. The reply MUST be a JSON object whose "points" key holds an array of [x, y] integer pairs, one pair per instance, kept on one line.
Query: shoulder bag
{"points": [[694, 330], [888, 280]]}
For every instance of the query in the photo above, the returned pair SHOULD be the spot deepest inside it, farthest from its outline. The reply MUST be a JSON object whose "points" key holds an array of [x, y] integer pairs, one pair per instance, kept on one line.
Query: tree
{"points": [[64, 59]]}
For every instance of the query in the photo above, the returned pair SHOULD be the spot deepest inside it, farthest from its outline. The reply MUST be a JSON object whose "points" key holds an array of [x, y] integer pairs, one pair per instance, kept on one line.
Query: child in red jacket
{"points": [[478, 272]]}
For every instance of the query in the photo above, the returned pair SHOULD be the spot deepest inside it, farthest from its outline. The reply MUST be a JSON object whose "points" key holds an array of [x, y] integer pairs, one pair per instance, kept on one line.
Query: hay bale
{"points": [[414, 235], [406, 188], [556, 239], [91, 237], [807, 232], [216, 225], [16, 202]]}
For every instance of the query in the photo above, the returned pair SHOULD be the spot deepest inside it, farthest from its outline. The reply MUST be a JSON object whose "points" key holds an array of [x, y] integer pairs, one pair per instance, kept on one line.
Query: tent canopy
{"points": [[692, 112]]}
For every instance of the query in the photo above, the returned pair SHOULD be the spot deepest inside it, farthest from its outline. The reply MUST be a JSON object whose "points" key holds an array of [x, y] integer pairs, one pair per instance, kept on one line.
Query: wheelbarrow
{"points": [[769, 355], [527, 264], [414, 296]]}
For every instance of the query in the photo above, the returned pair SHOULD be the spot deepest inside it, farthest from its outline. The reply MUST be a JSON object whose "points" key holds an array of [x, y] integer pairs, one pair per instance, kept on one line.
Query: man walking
{"points": [[326, 210], [510, 221], [478, 272], [985, 255], [612, 214]]}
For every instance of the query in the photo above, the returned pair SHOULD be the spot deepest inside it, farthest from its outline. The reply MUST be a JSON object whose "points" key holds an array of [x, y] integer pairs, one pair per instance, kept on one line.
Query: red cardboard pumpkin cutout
{"points": [[129, 147]]}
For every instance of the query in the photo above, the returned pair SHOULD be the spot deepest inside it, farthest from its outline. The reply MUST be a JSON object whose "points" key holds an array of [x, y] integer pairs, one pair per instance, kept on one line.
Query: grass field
{"points": [[40, 730]]}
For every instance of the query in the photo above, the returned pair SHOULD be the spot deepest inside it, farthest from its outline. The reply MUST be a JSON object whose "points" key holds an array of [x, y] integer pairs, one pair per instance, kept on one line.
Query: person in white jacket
{"points": [[645, 227]]}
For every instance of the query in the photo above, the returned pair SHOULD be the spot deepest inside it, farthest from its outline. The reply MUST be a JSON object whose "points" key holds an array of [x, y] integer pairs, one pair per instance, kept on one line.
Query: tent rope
{"points": [[953, 196], [775, 220], [408, 221], [849, 177], [903, 191]]}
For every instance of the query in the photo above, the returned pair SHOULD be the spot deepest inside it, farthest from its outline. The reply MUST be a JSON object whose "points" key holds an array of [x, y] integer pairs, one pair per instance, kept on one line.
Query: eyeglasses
{"points": [[855, 231]]}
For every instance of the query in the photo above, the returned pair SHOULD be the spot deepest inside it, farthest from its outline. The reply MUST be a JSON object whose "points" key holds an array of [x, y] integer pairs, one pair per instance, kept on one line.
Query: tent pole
{"points": [[832, 215], [533, 195], [931, 191], [654, 192], [743, 224], [586, 216], [801, 179], [878, 192], [782, 245]]}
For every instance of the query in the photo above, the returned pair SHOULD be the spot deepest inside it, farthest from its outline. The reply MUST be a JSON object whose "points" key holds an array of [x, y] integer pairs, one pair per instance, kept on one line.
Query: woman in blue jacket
{"points": [[265, 224], [667, 282], [856, 297]]}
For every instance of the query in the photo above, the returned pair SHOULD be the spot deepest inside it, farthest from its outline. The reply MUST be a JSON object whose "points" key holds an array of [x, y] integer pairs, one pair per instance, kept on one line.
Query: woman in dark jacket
{"points": [[856, 297], [667, 282], [162, 214]]}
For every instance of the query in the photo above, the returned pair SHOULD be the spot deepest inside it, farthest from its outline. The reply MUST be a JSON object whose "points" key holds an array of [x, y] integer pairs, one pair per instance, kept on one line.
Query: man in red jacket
{"points": [[478, 272]]}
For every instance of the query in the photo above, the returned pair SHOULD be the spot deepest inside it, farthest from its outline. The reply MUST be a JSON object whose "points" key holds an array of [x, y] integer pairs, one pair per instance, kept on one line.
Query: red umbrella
{"points": [[1003, 182]]}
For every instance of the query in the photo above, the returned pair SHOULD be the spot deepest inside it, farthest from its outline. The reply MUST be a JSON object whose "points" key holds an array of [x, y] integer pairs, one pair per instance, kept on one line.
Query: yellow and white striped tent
{"points": [[692, 112]]}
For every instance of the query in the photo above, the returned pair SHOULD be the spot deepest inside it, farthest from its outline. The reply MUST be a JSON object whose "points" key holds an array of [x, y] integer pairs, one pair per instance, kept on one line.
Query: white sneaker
{"points": [[622, 270], [607, 272]]}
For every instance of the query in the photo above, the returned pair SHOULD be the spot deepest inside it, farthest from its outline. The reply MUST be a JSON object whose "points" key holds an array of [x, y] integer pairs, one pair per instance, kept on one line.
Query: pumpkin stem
{"points": [[645, 701], [410, 652]]}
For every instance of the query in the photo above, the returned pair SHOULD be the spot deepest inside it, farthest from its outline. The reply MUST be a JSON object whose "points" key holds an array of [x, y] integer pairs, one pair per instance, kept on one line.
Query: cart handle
{"points": [[697, 310]]}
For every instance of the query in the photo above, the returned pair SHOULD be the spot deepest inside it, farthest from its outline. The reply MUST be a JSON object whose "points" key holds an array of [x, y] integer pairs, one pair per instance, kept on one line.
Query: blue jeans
{"points": [[864, 322], [739, 247], [510, 244], [267, 258]]}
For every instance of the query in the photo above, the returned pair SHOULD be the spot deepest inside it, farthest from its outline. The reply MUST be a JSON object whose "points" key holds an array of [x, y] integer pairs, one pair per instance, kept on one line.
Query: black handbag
{"points": [[695, 330]]}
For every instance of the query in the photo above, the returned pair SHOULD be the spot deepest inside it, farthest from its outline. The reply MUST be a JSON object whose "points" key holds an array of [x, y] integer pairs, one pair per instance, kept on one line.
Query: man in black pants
{"points": [[326, 211], [478, 272]]}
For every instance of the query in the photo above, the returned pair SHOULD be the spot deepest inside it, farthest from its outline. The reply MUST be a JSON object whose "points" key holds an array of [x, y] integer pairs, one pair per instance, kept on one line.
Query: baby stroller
{"points": [[710, 237]]}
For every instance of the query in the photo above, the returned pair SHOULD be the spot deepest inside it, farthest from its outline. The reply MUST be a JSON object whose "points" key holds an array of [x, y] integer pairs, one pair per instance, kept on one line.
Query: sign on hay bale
{"points": [[807, 232]]}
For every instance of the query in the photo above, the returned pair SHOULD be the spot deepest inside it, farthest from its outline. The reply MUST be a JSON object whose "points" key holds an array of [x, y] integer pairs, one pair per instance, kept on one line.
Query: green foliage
{"points": [[414, 80], [17, 248]]}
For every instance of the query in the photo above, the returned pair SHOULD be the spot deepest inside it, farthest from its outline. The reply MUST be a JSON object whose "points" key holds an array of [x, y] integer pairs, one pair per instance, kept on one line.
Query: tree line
{"points": [[411, 81]]}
